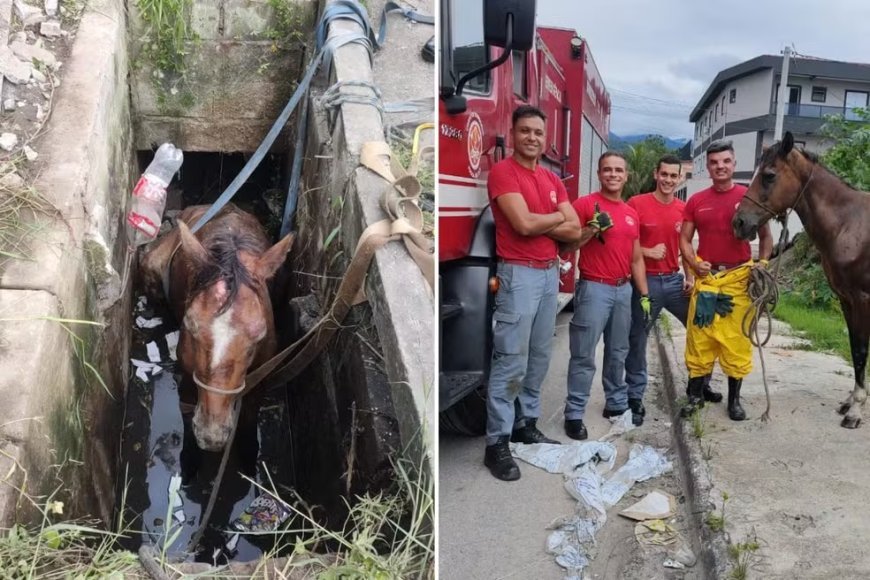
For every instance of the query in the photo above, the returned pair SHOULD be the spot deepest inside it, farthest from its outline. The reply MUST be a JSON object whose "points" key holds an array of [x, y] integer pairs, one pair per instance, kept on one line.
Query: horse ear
{"points": [[269, 262], [787, 144], [191, 246]]}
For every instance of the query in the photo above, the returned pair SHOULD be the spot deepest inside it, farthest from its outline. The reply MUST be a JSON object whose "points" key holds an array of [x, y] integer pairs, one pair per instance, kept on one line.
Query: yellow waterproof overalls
{"points": [[724, 339]]}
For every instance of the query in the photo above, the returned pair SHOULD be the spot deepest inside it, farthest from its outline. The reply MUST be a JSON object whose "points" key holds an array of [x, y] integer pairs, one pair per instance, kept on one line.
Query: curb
{"points": [[694, 470]]}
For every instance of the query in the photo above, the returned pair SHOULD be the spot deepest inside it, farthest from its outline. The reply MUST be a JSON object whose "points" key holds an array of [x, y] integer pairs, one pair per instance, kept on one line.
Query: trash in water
{"points": [[153, 352], [143, 368], [231, 545], [143, 322], [656, 505], [618, 426], [655, 533], [141, 304], [172, 344], [264, 514], [565, 459], [175, 503]]}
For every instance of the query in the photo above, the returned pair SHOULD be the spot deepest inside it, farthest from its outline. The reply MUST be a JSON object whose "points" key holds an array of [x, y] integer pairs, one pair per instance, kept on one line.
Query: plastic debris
{"points": [[669, 563], [565, 459], [264, 514], [618, 426], [143, 322], [655, 533], [643, 463], [143, 368], [153, 352], [172, 344], [656, 505], [175, 503], [141, 303], [685, 556], [234, 540]]}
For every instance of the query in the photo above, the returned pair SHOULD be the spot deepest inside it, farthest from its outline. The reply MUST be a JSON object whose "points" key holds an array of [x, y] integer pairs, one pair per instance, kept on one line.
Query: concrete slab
{"points": [[796, 482]]}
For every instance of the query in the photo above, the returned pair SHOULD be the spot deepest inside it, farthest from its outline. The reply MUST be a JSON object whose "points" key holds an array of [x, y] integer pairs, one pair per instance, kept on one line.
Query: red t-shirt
{"points": [[712, 211], [660, 223], [612, 259], [543, 192]]}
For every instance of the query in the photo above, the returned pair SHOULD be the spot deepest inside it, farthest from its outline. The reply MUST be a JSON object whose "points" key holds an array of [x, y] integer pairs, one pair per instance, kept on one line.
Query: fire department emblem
{"points": [[474, 130], [629, 220], [678, 226], [553, 197]]}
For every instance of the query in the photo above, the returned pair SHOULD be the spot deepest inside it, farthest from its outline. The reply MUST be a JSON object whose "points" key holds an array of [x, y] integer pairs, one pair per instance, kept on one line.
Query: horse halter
{"points": [[217, 391], [783, 213]]}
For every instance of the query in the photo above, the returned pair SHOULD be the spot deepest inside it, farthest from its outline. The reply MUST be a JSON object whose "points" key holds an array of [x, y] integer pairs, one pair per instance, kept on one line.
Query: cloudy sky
{"points": [[657, 57]]}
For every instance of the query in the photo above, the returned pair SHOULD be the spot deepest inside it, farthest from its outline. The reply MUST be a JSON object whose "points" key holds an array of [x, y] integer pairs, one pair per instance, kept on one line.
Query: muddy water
{"points": [[159, 455]]}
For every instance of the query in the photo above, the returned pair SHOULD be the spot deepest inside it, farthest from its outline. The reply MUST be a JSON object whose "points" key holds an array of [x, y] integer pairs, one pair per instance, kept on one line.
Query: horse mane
{"points": [[225, 265], [770, 154]]}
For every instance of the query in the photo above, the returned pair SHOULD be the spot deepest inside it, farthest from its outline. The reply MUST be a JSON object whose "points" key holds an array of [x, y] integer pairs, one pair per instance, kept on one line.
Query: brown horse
{"points": [[836, 218], [218, 291]]}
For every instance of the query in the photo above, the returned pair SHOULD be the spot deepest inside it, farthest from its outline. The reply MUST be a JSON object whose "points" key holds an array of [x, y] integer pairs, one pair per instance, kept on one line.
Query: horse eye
{"points": [[768, 178]]}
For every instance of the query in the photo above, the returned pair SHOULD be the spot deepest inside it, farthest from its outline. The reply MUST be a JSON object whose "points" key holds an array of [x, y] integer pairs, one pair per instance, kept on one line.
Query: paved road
{"points": [[493, 529]]}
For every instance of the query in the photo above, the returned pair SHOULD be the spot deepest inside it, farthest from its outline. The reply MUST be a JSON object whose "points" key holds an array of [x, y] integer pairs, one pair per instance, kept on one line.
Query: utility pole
{"points": [[783, 90]]}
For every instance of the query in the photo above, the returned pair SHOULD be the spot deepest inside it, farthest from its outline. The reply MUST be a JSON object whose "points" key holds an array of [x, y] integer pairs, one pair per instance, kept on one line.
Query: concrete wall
{"points": [[54, 411], [236, 82]]}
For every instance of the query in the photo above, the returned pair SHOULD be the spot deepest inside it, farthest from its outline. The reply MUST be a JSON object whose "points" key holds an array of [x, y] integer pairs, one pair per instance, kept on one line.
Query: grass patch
{"points": [[744, 557], [825, 329], [716, 521], [23, 213], [699, 429]]}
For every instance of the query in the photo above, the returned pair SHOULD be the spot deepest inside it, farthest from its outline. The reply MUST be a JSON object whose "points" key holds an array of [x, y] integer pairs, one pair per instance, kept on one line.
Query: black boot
{"points": [[710, 395], [498, 459], [529, 433], [735, 409], [695, 392], [638, 411]]}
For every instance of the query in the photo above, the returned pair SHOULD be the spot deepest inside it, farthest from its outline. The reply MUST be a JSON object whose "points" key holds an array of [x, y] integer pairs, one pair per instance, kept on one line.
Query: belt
{"points": [[722, 266], [537, 264], [662, 273], [608, 281]]}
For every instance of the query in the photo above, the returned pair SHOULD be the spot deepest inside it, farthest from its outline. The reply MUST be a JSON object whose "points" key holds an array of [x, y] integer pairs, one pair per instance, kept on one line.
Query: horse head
{"points": [[227, 321], [779, 180]]}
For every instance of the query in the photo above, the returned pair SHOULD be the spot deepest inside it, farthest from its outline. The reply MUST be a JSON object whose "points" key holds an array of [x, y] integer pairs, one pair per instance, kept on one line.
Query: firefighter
{"points": [[661, 216], [719, 297], [532, 215], [610, 258]]}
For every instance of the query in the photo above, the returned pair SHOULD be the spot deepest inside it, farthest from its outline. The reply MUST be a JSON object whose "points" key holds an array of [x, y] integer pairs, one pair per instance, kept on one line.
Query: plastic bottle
{"points": [[149, 195]]}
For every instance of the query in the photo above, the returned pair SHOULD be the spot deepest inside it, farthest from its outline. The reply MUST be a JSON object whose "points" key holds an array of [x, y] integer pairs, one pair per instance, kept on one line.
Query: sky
{"points": [[657, 57]]}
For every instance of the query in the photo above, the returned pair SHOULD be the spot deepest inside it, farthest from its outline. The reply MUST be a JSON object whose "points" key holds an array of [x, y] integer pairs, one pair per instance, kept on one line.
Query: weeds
{"points": [[744, 556], [699, 428], [168, 32], [22, 210], [716, 522], [708, 449]]}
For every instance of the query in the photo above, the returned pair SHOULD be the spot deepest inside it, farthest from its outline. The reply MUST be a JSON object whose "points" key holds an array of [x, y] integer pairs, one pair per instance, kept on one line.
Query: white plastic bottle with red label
{"points": [[149, 195]]}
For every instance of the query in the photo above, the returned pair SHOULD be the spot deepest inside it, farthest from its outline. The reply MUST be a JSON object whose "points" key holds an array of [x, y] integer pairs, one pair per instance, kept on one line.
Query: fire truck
{"points": [[494, 59]]}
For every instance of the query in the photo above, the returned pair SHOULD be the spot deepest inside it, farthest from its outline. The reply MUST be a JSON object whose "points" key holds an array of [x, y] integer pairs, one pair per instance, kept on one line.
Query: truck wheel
{"points": [[468, 416]]}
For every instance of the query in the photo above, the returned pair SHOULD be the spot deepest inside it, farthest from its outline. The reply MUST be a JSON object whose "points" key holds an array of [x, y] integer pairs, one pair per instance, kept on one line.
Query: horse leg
{"points": [[858, 342]]}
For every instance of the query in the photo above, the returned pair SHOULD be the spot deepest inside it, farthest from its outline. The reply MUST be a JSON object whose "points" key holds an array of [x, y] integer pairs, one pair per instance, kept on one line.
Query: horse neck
{"points": [[822, 205]]}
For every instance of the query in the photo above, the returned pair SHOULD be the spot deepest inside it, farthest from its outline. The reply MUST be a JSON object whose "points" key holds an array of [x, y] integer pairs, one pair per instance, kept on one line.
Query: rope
{"points": [[764, 293], [333, 97]]}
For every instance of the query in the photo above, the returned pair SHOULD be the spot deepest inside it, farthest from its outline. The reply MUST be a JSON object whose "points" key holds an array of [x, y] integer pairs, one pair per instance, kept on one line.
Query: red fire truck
{"points": [[494, 59]]}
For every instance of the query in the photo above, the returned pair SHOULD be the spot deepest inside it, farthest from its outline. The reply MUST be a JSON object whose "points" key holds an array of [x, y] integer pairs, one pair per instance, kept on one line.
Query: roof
{"points": [[811, 67]]}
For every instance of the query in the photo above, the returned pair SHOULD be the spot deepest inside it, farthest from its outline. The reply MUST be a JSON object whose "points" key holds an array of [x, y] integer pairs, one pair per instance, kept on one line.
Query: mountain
{"points": [[620, 142]]}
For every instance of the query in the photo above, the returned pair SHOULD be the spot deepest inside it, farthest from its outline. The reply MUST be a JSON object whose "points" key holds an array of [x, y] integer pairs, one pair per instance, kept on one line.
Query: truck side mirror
{"points": [[496, 21]]}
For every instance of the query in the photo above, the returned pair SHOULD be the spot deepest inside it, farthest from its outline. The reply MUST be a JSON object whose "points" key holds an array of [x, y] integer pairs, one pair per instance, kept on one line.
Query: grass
{"points": [[699, 429], [716, 521], [744, 557], [22, 214], [168, 32], [824, 329]]}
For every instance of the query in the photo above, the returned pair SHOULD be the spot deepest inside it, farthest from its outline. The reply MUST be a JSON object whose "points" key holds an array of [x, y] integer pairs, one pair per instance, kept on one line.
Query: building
{"points": [[740, 105]]}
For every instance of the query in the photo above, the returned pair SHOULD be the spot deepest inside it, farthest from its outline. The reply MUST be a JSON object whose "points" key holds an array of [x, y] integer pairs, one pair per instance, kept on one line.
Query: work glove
{"points": [[646, 306], [724, 304], [600, 220], [705, 308]]}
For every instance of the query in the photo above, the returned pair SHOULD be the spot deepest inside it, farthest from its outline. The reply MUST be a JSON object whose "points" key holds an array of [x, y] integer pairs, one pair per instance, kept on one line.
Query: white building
{"points": [[740, 106]]}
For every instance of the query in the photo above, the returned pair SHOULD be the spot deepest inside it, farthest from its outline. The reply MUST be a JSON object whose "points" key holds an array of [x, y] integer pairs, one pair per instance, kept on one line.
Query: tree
{"points": [[641, 159], [850, 155]]}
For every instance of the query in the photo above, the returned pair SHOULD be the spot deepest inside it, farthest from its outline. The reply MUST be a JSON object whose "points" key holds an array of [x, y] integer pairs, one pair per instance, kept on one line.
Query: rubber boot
{"points": [[710, 395], [695, 392], [735, 409]]}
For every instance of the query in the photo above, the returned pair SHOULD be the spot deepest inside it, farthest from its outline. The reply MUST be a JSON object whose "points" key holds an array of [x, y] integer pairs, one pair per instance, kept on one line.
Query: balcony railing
{"points": [[816, 111]]}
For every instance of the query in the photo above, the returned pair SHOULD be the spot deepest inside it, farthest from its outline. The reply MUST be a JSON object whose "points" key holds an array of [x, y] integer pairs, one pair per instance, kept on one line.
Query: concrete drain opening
{"points": [[299, 442]]}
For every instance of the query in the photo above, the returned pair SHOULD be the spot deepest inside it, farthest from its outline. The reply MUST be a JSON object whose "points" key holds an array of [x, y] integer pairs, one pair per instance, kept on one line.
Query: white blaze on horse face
{"points": [[222, 334]]}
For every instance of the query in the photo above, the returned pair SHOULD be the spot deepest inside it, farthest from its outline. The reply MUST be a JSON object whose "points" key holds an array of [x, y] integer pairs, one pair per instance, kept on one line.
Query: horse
{"points": [[836, 218], [217, 288]]}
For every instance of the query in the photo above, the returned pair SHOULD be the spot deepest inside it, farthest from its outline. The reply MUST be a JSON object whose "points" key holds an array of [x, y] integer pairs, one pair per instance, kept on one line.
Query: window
{"points": [[723, 105], [820, 94], [855, 100], [519, 63], [716, 117], [732, 96], [469, 50]]}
